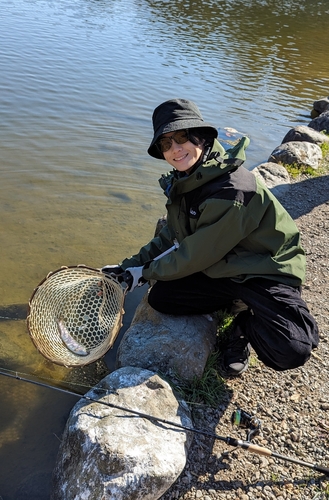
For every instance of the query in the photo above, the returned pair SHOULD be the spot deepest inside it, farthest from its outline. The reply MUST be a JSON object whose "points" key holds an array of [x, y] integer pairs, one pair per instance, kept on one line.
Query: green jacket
{"points": [[227, 223]]}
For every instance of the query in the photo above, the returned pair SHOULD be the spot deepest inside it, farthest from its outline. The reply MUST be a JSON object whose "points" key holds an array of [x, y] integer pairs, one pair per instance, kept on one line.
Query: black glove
{"points": [[115, 271]]}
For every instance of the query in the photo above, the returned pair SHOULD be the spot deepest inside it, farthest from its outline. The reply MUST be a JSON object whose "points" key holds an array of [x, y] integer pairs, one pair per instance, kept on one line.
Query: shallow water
{"points": [[78, 83]]}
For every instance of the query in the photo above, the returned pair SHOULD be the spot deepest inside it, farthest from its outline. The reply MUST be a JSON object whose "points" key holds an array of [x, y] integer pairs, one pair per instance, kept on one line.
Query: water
{"points": [[78, 83]]}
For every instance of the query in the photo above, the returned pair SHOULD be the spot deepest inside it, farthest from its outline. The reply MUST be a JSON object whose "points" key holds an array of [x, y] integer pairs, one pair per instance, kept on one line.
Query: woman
{"points": [[236, 243]]}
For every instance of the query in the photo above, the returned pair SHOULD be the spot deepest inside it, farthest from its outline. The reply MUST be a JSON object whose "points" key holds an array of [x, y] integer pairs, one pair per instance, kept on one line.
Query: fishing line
{"points": [[237, 443], [49, 379]]}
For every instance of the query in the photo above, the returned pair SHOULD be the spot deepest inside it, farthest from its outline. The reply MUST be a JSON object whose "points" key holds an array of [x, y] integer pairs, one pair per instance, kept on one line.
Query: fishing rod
{"points": [[237, 443]]}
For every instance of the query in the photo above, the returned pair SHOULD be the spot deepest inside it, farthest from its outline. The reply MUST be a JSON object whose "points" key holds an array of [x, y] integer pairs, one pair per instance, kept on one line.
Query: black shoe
{"points": [[235, 357]]}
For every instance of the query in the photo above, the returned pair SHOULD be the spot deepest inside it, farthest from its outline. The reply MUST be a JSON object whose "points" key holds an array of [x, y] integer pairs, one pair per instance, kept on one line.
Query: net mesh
{"points": [[75, 314]]}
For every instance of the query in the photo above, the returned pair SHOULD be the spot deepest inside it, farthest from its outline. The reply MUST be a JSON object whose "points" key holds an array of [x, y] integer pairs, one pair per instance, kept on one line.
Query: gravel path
{"points": [[293, 406]]}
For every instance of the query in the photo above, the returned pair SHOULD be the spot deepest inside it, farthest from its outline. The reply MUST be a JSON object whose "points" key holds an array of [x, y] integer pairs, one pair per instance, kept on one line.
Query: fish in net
{"points": [[75, 315]]}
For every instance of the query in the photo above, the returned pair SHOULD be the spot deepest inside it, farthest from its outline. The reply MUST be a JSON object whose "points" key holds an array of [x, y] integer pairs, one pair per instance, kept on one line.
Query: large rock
{"points": [[321, 123], [172, 345], [110, 454], [305, 134], [297, 153], [274, 176], [321, 105]]}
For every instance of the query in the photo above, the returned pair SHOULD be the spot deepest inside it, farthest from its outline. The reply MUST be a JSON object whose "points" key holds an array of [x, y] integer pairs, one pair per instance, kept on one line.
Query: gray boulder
{"points": [[108, 453], [297, 153], [172, 345], [321, 123], [274, 176], [305, 134]]}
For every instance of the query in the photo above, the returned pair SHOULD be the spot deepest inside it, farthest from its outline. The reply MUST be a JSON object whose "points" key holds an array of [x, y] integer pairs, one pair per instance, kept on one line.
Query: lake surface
{"points": [[78, 84]]}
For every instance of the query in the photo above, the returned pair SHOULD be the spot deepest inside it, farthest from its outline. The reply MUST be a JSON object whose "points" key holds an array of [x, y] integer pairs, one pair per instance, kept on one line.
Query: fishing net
{"points": [[75, 315]]}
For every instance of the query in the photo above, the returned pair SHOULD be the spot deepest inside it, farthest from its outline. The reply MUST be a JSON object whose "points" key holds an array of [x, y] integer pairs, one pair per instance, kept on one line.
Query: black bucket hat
{"points": [[176, 114]]}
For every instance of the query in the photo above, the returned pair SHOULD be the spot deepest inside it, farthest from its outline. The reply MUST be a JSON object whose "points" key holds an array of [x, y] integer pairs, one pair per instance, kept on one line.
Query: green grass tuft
{"points": [[295, 170], [225, 320], [208, 390], [325, 149]]}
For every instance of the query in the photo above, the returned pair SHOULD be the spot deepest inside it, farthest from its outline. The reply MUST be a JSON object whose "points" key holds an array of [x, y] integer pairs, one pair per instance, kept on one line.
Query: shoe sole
{"points": [[228, 374]]}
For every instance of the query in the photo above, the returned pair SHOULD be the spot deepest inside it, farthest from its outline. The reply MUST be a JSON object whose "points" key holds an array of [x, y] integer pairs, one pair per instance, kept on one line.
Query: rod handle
{"points": [[247, 445], [260, 450], [320, 468]]}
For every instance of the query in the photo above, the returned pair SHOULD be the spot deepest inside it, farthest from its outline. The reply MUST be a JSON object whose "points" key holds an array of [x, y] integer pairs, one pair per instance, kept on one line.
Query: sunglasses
{"points": [[165, 143]]}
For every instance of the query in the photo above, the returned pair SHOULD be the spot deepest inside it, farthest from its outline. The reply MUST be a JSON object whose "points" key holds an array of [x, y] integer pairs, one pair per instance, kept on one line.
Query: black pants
{"points": [[281, 329]]}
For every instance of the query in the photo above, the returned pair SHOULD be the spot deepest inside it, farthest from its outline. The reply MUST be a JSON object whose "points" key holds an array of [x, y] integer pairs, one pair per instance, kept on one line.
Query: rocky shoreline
{"points": [[293, 406]]}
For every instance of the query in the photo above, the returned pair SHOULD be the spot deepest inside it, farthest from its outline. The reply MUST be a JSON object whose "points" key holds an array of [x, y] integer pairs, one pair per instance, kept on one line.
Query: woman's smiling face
{"points": [[182, 156]]}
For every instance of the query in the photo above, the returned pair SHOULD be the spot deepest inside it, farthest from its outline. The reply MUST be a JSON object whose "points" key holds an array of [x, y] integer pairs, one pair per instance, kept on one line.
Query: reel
{"points": [[250, 422]]}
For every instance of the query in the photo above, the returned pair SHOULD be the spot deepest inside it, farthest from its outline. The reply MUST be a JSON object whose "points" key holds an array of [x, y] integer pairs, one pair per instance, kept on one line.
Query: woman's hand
{"points": [[115, 271], [134, 277]]}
